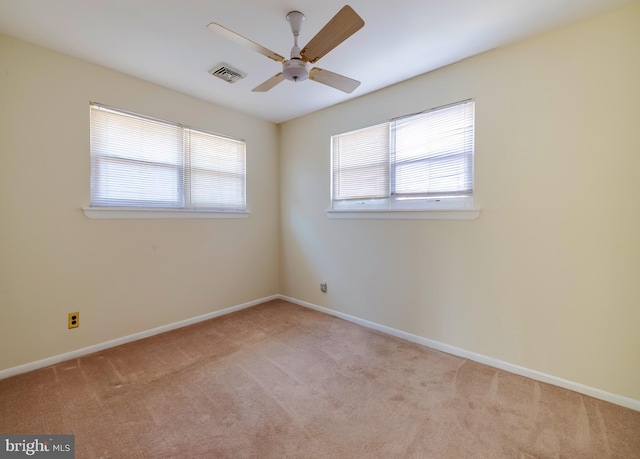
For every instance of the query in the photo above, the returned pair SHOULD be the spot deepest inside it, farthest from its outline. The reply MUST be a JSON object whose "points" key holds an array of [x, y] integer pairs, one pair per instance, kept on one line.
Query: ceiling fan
{"points": [[344, 24]]}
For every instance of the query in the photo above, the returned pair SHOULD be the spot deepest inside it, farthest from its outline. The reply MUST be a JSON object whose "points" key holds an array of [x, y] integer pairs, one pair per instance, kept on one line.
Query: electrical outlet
{"points": [[74, 319], [323, 287]]}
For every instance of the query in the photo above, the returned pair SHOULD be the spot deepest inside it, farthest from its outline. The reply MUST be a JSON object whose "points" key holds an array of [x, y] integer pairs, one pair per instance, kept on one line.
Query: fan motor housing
{"points": [[295, 69]]}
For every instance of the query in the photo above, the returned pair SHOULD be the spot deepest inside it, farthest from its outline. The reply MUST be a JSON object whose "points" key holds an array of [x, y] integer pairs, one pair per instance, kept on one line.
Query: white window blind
{"points": [[413, 162], [361, 160], [137, 161]]}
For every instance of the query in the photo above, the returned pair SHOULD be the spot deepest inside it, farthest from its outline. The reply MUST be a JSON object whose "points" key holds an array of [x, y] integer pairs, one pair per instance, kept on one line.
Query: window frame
{"points": [[181, 205], [422, 205]]}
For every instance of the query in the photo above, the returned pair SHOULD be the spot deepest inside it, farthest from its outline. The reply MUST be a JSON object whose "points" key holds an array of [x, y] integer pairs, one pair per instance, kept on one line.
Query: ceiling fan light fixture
{"points": [[295, 70]]}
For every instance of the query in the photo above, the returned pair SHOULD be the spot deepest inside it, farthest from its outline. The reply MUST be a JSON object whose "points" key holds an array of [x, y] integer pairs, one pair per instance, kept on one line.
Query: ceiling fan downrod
{"points": [[295, 69]]}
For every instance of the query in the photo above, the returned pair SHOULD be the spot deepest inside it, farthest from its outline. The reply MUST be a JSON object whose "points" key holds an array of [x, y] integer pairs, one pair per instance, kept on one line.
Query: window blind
{"points": [[433, 153], [137, 161], [361, 163], [407, 162], [217, 165]]}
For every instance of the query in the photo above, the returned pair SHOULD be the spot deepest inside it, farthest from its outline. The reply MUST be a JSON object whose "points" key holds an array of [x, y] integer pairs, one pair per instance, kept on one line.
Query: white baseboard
{"points": [[127, 339], [506, 366]]}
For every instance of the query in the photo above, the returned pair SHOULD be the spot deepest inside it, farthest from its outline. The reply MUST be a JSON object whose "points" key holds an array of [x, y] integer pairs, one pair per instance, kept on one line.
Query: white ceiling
{"points": [[166, 42]]}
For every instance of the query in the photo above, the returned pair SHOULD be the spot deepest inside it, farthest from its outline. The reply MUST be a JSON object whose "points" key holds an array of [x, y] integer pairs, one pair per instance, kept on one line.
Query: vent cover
{"points": [[227, 73]]}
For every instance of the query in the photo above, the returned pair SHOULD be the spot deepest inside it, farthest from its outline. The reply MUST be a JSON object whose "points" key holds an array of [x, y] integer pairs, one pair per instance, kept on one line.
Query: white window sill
{"points": [[125, 212], [426, 214]]}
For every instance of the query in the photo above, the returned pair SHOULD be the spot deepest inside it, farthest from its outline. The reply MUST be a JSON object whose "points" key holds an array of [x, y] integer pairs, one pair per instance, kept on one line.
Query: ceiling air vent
{"points": [[227, 73]]}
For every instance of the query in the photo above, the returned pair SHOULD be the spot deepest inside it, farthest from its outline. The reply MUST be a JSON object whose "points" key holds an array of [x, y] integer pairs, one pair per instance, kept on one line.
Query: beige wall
{"points": [[124, 276], [548, 276]]}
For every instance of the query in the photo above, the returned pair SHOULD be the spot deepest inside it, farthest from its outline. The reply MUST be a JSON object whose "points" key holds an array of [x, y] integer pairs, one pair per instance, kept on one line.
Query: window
{"points": [[416, 162], [141, 162]]}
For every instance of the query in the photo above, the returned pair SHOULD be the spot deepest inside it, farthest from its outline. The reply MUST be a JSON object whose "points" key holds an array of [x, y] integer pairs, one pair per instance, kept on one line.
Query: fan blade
{"points": [[344, 24], [270, 83], [334, 80], [231, 35]]}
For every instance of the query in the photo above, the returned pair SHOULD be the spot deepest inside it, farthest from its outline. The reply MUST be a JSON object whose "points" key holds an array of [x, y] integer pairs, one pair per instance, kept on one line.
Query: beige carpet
{"points": [[281, 381]]}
